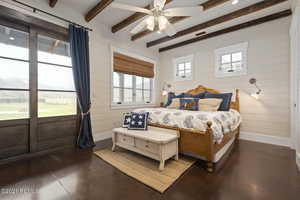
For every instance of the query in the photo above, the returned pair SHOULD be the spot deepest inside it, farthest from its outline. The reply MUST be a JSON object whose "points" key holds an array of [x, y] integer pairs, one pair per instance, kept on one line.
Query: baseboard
{"points": [[298, 160], [102, 136], [276, 140]]}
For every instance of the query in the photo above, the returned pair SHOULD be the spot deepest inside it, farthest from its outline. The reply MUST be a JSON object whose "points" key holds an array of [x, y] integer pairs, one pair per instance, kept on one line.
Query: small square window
{"points": [[231, 61], [183, 68]]}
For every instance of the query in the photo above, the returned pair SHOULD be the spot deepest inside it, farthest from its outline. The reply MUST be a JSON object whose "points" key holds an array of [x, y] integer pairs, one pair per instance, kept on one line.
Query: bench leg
{"points": [[161, 165], [176, 157], [114, 142]]}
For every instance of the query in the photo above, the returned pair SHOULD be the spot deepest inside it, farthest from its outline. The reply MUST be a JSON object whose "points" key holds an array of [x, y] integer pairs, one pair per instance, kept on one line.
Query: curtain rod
{"points": [[34, 9]]}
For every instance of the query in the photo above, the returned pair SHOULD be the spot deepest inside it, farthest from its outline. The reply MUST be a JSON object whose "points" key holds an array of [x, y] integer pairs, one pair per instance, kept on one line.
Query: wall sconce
{"points": [[166, 89], [255, 95]]}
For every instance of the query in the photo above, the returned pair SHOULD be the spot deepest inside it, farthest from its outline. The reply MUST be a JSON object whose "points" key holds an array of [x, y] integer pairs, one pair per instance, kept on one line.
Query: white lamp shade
{"points": [[165, 93], [255, 96]]}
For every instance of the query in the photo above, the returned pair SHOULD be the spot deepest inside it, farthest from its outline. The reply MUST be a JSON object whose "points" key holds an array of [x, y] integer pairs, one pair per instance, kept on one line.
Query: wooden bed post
{"points": [[210, 152]]}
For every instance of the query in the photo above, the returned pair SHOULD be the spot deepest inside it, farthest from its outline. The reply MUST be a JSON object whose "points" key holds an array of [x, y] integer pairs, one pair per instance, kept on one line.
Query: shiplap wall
{"points": [[268, 62]]}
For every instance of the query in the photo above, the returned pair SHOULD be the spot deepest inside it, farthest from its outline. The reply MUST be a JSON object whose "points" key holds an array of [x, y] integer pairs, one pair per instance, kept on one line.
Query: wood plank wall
{"points": [[268, 62]]}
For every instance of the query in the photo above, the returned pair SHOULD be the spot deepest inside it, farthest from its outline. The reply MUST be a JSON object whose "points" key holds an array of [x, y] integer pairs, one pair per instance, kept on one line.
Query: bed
{"points": [[202, 134]]}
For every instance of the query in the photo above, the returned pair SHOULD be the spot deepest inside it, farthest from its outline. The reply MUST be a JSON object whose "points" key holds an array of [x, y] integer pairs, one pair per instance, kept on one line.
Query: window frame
{"points": [[53, 90], [133, 104], [181, 60], [9, 89], [229, 50], [33, 64]]}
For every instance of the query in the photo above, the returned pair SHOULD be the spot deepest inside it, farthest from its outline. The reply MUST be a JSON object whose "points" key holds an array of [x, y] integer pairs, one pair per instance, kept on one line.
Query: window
{"points": [[183, 67], [231, 61], [14, 74], [132, 79], [56, 92], [131, 89]]}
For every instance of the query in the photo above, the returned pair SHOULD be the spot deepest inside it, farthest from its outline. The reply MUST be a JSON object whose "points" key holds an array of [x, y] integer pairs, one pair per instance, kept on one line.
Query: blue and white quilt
{"points": [[222, 121]]}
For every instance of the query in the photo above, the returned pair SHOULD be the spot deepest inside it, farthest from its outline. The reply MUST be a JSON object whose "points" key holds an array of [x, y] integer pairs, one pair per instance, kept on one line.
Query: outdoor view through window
{"points": [[56, 95]]}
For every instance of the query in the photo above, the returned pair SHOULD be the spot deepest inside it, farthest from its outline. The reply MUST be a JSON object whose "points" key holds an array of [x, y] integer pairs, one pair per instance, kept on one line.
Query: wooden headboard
{"points": [[201, 89]]}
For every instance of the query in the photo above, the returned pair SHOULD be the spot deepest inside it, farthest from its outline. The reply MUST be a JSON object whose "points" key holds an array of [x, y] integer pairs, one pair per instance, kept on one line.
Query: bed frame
{"points": [[201, 143]]}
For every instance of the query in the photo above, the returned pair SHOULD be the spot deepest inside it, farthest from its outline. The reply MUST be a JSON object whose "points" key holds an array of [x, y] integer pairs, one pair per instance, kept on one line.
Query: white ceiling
{"points": [[111, 16]]}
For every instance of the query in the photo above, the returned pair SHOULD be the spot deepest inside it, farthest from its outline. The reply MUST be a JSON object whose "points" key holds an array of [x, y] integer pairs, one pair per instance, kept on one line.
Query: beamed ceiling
{"points": [[219, 17]]}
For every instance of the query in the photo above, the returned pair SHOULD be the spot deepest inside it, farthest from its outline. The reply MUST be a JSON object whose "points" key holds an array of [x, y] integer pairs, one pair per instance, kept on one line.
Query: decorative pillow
{"points": [[189, 104], [172, 96], [126, 120], [198, 96], [209, 104], [225, 105], [175, 104], [139, 121]]}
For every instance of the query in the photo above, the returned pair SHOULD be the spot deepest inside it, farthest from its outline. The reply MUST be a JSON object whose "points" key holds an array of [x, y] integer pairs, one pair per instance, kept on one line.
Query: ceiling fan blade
{"points": [[184, 11], [131, 8], [170, 29], [159, 3], [140, 26]]}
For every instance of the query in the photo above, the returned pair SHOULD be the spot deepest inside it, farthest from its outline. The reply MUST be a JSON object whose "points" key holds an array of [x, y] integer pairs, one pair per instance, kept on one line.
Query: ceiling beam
{"points": [[97, 9], [52, 3], [206, 5], [131, 19], [230, 29], [225, 18]]}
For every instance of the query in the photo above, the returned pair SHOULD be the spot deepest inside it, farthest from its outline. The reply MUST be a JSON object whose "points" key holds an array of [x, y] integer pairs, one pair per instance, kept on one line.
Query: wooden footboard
{"points": [[201, 143]]}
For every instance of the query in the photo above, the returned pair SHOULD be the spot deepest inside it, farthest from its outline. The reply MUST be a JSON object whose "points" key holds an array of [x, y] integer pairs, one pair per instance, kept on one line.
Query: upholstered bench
{"points": [[156, 143]]}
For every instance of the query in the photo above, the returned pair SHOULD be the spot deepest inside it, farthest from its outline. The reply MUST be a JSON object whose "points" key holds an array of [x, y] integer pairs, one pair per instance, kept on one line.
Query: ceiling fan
{"points": [[157, 16]]}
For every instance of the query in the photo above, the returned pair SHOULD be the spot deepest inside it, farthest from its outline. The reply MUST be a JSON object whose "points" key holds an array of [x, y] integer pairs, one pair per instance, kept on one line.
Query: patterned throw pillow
{"points": [[189, 104], [126, 120], [172, 96], [139, 121]]}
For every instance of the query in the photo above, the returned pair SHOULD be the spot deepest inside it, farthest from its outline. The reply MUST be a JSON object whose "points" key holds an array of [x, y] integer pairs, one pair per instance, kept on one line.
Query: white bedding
{"points": [[222, 121]]}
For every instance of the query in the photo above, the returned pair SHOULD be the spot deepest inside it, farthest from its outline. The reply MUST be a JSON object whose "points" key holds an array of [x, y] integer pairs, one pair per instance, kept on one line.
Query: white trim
{"points": [[154, 80], [176, 61], [241, 47], [129, 106], [298, 160], [294, 73], [102, 136], [275, 140]]}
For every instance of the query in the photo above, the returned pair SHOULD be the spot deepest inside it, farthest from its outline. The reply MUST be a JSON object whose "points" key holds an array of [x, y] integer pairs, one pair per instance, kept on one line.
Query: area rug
{"points": [[145, 169]]}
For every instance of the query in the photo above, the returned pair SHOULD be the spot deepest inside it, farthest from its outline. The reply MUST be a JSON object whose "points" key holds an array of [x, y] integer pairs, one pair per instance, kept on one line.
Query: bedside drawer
{"points": [[147, 146], [125, 139]]}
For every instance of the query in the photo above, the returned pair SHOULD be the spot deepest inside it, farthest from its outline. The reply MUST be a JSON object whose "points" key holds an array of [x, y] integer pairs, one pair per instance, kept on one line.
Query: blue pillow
{"points": [[189, 104], [126, 120], [225, 105], [172, 96], [139, 121]]}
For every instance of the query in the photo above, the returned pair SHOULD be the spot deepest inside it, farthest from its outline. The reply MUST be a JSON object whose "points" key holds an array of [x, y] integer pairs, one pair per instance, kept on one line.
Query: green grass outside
{"points": [[20, 111]]}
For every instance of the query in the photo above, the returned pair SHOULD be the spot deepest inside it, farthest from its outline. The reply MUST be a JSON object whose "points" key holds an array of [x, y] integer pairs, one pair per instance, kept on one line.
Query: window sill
{"points": [[177, 79], [128, 106]]}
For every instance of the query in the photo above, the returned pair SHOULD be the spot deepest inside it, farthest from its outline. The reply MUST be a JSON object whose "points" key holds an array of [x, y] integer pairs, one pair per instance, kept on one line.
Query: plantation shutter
{"points": [[129, 65]]}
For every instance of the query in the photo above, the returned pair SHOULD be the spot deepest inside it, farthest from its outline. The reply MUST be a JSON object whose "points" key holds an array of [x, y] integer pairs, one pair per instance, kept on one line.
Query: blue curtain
{"points": [[79, 45]]}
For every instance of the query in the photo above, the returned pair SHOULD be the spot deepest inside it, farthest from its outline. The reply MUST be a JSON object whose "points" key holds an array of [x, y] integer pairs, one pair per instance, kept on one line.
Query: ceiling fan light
{"points": [[235, 2], [162, 22], [150, 23]]}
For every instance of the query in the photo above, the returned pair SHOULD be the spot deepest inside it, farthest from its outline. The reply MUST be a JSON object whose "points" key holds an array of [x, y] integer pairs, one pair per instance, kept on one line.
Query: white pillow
{"points": [[211, 104]]}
